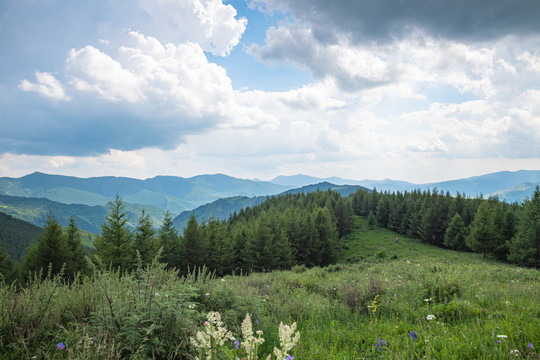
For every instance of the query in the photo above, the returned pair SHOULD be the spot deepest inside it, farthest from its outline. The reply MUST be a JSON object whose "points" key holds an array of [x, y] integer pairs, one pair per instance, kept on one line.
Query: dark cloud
{"points": [[383, 20], [77, 129]]}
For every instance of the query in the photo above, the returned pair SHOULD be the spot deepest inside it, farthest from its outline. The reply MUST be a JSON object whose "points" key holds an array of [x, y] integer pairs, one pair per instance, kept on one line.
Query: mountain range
{"points": [[31, 197], [510, 186]]}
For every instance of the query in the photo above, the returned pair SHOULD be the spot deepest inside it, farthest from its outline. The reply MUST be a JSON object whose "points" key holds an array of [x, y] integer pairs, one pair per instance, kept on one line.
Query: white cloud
{"points": [[210, 23], [47, 85]]}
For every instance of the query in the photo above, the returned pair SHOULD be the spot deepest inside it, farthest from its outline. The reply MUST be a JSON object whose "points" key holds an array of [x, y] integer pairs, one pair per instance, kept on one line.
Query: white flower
{"points": [[207, 294], [222, 279], [431, 317], [502, 336]]}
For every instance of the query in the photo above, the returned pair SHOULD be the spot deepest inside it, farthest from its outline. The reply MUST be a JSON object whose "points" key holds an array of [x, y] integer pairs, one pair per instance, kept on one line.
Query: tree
{"points": [[8, 271], [259, 247], [169, 241], [195, 246], [145, 242], [51, 250], [456, 233], [480, 238], [371, 220], [77, 262], [524, 248], [114, 245]]}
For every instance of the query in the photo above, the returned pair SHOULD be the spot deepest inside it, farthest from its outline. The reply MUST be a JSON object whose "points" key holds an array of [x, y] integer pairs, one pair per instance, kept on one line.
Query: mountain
{"points": [[89, 218], [514, 183], [16, 235], [171, 193], [516, 193], [221, 209]]}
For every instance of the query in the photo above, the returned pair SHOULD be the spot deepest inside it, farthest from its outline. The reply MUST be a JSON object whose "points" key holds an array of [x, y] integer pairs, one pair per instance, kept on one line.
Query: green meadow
{"points": [[382, 300]]}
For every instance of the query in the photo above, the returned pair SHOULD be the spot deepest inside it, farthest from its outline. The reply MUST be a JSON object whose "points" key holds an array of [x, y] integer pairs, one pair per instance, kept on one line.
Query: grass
{"points": [[364, 307]]}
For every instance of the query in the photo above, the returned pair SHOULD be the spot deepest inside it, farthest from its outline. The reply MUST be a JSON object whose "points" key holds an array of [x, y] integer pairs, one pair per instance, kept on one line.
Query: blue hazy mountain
{"points": [[172, 193], [508, 185]]}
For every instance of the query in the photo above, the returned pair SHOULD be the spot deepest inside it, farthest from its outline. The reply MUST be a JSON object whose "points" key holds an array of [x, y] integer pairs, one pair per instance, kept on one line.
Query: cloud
{"points": [[387, 20], [209, 23], [46, 86]]}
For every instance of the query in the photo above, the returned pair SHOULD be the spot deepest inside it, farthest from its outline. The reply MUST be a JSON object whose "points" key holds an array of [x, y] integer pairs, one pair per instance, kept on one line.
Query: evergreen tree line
{"points": [[288, 230], [509, 232], [282, 232]]}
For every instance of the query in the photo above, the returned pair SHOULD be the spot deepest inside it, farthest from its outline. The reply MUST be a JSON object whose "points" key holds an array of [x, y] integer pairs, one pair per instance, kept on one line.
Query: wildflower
{"points": [[287, 339], [192, 306], [207, 294], [413, 335], [214, 335], [222, 279], [498, 341], [502, 336], [290, 357], [236, 344], [257, 322], [530, 346], [60, 346], [430, 317], [514, 352]]}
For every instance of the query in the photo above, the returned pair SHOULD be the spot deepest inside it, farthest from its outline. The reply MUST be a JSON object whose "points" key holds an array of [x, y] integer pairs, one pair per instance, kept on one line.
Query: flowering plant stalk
{"points": [[215, 336]]}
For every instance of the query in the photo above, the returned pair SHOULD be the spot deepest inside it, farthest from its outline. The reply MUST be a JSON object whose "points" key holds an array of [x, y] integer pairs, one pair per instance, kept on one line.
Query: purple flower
{"points": [[498, 341], [236, 344], [413, 335], [530, 346], [290, 357], [257, 322], [60, 346]]}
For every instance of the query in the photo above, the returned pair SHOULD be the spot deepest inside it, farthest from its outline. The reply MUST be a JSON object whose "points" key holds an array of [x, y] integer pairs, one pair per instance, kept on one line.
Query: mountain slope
{"points": [[166, 192], [89, 218], [221, 209], [490, 184], [16, 235]]}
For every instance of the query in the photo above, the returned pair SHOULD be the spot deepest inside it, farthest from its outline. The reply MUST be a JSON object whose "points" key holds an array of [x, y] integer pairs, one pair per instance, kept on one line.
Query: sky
{"points": [[411, 90]]}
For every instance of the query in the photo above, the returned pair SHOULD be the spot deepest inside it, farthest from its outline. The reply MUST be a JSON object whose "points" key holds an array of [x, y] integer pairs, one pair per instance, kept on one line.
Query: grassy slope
{"points": [[473, 300]]}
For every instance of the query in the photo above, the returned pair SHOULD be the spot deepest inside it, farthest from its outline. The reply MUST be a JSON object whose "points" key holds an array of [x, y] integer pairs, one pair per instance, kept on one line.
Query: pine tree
{"points": [[259, 247], [371, 220], [524, 247], [145, 242], [114, 245], [327, 236], [480, 238], [51, 250], [77, 262], [456, 234], [172, 252], [195, 247], [8, 271]]}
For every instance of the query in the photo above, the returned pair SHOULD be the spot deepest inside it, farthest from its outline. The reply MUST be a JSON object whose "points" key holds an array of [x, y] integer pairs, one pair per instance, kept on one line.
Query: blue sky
{"points": [[410, 90]]}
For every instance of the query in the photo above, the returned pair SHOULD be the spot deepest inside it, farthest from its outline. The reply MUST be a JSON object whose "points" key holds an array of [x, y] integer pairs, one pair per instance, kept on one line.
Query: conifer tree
{"points": [[480, 238], [195, 246], [169, 240], [114, 244], [371, 220], [51, 250], [145, 242], [8, 271], [524, 247], [456, 234], [259, 247], [76, 263]]}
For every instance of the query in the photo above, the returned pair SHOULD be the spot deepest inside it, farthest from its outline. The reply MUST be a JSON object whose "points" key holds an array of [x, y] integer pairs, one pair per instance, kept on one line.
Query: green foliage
{"points": [[145, 242], [114, 244], [525, 245], [456, 233], [16, 235], [51, 253]]}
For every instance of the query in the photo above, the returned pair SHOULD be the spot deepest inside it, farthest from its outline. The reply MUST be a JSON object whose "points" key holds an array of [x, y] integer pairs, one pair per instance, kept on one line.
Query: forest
{"points": [[288, 230]]}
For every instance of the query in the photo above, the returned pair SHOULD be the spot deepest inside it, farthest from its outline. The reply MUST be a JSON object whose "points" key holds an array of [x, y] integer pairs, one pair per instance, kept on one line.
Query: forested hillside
{"points": [[16, 235]]}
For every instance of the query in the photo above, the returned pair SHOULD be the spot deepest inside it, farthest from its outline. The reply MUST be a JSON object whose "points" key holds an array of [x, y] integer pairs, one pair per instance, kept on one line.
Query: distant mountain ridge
{"points": [[507, 185], [166, 192]]}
